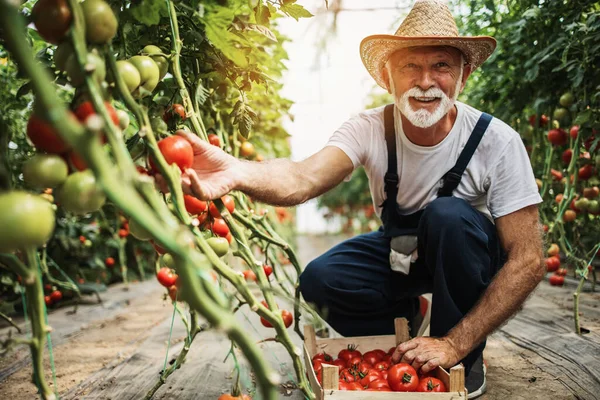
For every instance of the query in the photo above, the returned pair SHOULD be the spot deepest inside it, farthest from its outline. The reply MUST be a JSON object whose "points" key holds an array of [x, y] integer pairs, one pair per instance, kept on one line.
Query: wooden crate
{"points": [[454, 380]]}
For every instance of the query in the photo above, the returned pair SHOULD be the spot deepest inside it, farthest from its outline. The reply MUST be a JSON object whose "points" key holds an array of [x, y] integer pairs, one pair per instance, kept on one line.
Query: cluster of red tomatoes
{"points": [[374, 371]]}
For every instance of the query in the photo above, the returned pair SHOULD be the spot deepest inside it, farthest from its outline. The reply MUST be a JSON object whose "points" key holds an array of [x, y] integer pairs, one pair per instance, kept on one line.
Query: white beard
{"points": [[422, 118]]}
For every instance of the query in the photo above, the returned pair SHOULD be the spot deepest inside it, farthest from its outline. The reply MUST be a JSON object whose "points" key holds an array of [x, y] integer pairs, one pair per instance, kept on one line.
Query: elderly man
{"points": [[454, 189]]}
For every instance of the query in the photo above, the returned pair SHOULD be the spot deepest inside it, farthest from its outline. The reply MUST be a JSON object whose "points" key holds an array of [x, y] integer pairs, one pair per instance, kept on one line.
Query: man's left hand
{"points": [[427, 353]]}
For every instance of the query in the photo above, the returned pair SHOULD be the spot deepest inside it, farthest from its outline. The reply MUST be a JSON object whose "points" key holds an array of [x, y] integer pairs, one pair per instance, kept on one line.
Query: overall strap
{"points": [[452, 178], [391, 176]]}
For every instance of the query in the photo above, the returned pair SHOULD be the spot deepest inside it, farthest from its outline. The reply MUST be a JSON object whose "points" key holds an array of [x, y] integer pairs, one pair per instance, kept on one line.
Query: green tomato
{"points": [[567, 100], [149, 73], [582, 203], [137, 231], [157, 55], [27, 220], [61, 55], [45, 171], [130, 75], [167, 261], [81, 193], [100, 21], [594, 206], [94, 65], [123, 119], [560, 114], [219, 245]]}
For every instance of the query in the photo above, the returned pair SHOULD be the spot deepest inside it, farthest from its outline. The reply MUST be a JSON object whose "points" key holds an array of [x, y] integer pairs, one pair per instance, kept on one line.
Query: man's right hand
{"points": [[214, 173]]}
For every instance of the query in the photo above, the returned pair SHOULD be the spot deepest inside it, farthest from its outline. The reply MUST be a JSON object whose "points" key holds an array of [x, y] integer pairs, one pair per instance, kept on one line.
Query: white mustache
{"points": [[418, 92]]}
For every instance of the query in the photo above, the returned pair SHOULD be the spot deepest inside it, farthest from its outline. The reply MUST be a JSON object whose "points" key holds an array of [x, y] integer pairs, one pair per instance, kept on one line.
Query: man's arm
{"points": [[283, 182], [520, 235]]}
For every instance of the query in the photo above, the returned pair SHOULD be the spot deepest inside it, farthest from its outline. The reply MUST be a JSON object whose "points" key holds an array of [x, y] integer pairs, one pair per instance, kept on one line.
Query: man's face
{"points": [[425, 82]]}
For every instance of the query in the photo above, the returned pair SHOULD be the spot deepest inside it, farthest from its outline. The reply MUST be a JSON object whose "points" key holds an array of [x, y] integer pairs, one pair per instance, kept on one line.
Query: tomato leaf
{"points": [[262, 14], [243, 116], [149, 12], [295, 11], [583, 117], [217, 22]]}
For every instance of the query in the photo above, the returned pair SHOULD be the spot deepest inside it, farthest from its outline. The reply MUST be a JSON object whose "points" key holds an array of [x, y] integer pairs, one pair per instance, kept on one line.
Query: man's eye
{"points": [[442, 65]]}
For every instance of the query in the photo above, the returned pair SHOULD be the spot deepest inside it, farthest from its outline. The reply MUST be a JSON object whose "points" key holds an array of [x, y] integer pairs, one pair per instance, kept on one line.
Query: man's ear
{"points": [[386, 79], [466, 73]]}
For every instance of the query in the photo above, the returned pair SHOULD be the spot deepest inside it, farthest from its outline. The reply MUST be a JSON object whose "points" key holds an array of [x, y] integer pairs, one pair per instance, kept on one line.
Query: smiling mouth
{"points": [[426, 99]]}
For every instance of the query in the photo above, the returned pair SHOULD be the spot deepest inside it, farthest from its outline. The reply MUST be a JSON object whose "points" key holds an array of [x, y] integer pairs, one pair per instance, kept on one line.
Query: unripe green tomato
{"points": [[81, 193], [219, 245], [123, 119], [594, 206], [45, 171], [137, 231], [157, 55], [100, 21], [26, 220], [130, 75], [560, 114], [528, 132], [567, 100], [582, 203], [149, 73], [61, 55], [167, 261], [95, 64], [87, 243]]}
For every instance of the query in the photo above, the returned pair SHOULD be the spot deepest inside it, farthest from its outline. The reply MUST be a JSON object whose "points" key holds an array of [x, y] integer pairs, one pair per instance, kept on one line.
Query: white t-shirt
{"points": [[498, 180]]}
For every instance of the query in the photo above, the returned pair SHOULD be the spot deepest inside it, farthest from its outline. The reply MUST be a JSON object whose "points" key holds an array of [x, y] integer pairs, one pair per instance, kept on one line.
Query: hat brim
{"points": [[376, 49]]}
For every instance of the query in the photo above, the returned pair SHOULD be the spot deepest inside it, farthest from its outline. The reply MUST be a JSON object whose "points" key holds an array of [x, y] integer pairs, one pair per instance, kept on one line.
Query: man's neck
{"points": [[432, 135]]}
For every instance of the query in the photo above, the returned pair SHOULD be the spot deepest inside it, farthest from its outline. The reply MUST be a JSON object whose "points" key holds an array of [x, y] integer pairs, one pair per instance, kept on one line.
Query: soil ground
{"points": [[116, 350]]}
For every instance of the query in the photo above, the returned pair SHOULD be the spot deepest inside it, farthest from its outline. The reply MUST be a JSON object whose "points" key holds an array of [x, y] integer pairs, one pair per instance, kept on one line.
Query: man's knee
{"points": [[313, 281], [446, 214]]}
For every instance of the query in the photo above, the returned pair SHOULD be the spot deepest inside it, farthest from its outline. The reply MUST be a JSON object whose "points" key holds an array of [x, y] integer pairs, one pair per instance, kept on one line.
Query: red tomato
{"points": [[552, 263], [347, 375], [343, 385], [355, 386], [268, 270], [370, 377], [348, 353], [87, 109], [44, 137], [402, 378], [48, 301], [353, 362], [175, 150], [380, 383], [384, 374], [173, 293], [431, 385], [220, 228], [56, 296], [166, 277], [249, 275], [123, 233], [287, 317], [364, 367], [561, 272], [586, 172], [317, 364], [176, 110], [557, 175], [557, 280], [558, 137], [566, 156], [227, 201], [340, 363], [109, 262], [82, 239], [382, 366], [229, 237], [323, 357], [372, 357], [214, 139], [193, 205], [574, 131]]}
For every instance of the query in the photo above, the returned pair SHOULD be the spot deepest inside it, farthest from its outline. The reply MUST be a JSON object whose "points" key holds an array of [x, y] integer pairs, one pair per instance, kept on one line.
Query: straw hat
{"points": [[429, 23]]}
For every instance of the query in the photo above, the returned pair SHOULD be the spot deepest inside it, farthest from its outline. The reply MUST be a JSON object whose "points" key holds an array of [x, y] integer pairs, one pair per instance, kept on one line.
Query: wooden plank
{"points": [[457, 379], [363, 343], [364, 395], [312, 378], [547, 331], [331, 377], [310, 340]]}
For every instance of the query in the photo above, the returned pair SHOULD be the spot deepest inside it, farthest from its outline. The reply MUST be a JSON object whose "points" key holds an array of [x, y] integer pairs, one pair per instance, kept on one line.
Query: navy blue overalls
{"points": [[459, 253]]}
